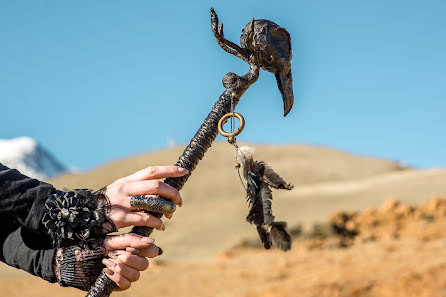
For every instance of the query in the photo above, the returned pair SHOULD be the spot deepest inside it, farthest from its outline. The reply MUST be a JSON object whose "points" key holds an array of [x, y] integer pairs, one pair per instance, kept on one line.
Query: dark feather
{"points": [[275, 235], [267, 196], [264, 237], [279, 237], [259, 177], [274, 180], [260, 212]]}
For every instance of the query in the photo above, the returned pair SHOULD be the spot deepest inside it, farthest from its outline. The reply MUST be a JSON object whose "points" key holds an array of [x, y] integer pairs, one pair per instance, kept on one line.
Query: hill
{"points": [[303, 164], [397, 251], [213, 216], [203, 242]]}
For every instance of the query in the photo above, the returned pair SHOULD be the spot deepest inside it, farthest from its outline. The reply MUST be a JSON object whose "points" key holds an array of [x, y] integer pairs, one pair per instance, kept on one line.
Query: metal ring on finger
{"points": [[152, 204]]}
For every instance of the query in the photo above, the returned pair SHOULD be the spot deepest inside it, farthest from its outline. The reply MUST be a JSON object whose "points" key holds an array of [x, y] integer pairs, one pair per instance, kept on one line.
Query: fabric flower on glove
{"points": [[75, 216]]}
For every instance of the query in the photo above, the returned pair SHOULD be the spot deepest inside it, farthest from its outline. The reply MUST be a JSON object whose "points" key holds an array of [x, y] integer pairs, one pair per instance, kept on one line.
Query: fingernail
{"points": [[163, 227], [108, 262], [113, 254], [108, 271], [160, 251], [182, 170], [147, 240], [181, 202], [132, 250]]}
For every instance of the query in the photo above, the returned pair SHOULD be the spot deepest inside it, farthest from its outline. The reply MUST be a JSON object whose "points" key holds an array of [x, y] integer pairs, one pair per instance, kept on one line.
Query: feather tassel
{"points": [[259, 178]]}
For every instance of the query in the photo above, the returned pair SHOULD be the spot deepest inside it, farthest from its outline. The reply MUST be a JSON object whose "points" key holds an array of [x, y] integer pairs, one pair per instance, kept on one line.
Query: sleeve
{"points": [[74, 266], [68, 217], [22, 199], [27, 251]]}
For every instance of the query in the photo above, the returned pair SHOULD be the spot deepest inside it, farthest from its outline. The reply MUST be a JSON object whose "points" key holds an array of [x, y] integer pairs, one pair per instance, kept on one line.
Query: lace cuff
{"points": [[78, 267], [77, 216]]}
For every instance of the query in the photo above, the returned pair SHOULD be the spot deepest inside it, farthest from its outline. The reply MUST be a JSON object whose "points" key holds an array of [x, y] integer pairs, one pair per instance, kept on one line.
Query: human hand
{"points": [[142, 183], [79, 266], [124, 266]]}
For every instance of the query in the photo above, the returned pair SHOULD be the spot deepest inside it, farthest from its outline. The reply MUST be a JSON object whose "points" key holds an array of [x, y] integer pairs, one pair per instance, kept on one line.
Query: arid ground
{"points": [[361, 226]]}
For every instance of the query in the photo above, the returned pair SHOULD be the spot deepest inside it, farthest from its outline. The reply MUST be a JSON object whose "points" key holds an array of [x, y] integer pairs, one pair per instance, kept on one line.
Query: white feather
{"points": [[245, 153]]}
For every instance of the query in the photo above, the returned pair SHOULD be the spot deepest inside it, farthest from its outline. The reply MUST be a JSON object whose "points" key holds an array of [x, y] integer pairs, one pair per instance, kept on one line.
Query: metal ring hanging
{"points": [[225, 118]]}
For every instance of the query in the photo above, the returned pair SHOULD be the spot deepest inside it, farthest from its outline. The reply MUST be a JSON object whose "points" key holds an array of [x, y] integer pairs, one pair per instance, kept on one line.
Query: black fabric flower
{"points": [[75, 216]]}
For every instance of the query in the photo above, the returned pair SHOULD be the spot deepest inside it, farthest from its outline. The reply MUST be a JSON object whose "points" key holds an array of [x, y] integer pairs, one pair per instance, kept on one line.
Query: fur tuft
{"points": [[245, 152]]}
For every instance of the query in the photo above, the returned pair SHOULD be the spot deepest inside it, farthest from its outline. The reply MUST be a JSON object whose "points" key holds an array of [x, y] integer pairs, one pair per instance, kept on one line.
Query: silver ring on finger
{"points": [[158, 205]]}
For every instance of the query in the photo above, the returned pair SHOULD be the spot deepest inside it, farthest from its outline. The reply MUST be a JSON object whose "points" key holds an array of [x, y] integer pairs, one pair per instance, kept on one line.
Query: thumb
{"points": [[122, 241]]}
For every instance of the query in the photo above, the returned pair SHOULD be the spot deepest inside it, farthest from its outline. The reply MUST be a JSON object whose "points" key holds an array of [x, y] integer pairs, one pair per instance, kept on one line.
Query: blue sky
{"points": [[95, 81]]}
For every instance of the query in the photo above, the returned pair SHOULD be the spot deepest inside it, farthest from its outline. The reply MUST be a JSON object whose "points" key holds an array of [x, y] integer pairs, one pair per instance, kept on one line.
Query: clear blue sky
{"points": [[95, 81]]}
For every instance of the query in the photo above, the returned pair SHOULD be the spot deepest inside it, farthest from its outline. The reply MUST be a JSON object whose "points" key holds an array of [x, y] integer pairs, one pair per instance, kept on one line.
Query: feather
{"points": [[264, 237], [260, 212], [275, 235], [279, 237], [259, 178], [274, 180], [267, 196]]}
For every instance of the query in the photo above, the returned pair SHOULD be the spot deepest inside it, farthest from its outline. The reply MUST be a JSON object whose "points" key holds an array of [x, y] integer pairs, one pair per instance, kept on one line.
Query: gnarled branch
{"points": [[225, 44]]}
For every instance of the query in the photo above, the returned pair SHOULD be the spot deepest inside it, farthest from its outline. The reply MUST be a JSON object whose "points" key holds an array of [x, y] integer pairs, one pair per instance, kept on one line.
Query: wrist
{"points": [[78, 267], [77, 216]]}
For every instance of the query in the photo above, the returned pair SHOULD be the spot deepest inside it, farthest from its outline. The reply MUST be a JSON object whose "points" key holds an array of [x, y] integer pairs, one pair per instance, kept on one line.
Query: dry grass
{"points": [[211, 223]]}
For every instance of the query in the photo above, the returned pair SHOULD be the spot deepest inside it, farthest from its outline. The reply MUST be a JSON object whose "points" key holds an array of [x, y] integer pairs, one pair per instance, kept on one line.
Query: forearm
{"points": [[30, 252], [75, 266], [69, 217], [22, 199]]}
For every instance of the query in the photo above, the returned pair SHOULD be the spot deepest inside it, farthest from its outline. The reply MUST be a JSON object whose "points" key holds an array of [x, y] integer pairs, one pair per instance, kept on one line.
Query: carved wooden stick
{"points": [[235, 87], [264, 45]]}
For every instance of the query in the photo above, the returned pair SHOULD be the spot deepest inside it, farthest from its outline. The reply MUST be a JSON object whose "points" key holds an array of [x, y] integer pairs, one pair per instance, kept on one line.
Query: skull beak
{"points": [[285, 84]]}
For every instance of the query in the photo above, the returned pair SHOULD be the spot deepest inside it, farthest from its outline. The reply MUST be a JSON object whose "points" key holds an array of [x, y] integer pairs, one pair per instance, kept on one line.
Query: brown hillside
{"points": [[200, 259], [301, 164], [410, 264], [215, 205]]}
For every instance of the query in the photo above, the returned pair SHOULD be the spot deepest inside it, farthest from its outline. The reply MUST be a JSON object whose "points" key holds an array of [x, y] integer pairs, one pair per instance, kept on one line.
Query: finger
{"points": [[118, 242], [152, 204], [143, 219], [153, 187], [122, 282], [151, 251], [168, 215], [139, 263], [157, 172], [126, 271]]}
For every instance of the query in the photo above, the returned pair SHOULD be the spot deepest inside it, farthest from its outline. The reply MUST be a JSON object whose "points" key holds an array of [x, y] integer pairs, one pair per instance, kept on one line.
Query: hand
{"points": [[79, 265], [124, 266], [142, 183]]}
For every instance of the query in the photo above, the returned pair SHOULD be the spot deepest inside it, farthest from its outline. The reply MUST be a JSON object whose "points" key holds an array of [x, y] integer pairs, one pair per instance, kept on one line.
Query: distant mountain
{"points": [[30, 158]]}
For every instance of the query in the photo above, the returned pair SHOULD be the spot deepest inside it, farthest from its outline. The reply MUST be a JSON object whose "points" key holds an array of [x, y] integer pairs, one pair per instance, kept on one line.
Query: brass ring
{"points": [[225, 118]]}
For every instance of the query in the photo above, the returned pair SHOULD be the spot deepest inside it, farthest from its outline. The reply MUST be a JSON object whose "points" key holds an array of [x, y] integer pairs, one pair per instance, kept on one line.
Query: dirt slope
{"points": [[410, 264], [213, 216], [199, 242], [301, 164]]}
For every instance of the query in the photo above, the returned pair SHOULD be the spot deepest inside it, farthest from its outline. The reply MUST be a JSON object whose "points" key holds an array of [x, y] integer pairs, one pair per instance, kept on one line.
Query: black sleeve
{"points": [[68, 217], [22, 200], [26, 250]]}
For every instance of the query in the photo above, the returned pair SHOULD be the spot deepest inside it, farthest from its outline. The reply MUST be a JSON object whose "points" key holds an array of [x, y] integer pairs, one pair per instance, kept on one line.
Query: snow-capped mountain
{"points": [[27, 156]]}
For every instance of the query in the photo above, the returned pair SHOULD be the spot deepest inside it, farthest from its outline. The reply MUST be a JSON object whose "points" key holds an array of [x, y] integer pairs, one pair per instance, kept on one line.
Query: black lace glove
{"points": [[77, 216], [78, 267]]}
